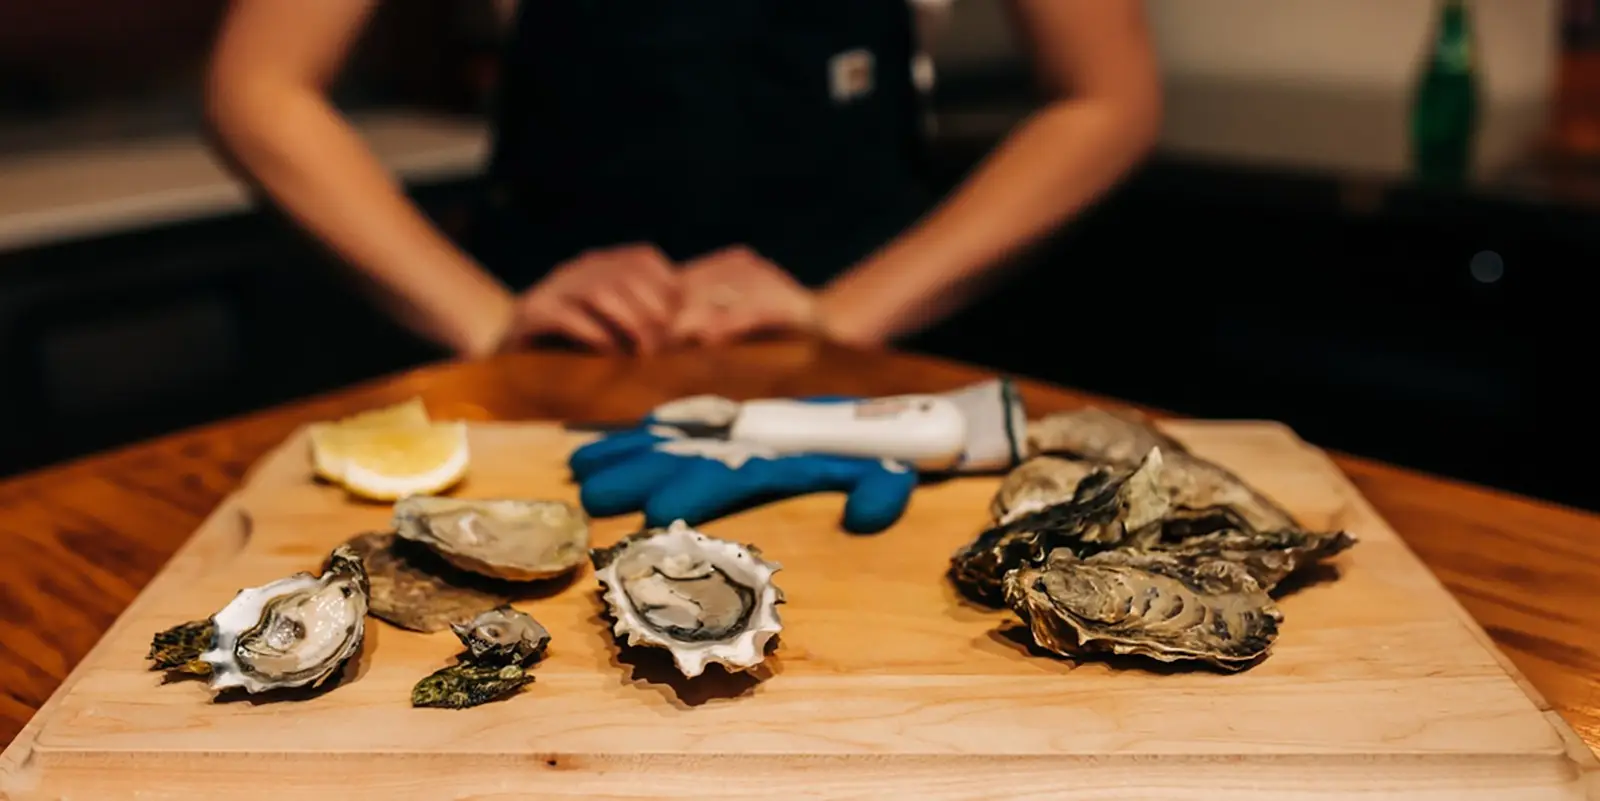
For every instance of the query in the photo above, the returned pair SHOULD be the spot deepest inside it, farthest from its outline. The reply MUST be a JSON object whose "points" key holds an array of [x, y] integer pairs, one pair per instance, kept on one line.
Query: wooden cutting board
{"points": [[883, 685]]}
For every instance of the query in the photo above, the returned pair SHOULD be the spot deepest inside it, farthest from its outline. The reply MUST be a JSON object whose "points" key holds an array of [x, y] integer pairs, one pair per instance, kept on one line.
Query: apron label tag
{"points": [[850, 75]]}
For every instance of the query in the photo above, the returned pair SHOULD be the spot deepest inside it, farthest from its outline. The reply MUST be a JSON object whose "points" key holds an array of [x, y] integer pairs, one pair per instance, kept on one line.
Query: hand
{"points": [[734, 293], [658, 470], [609, 299]]}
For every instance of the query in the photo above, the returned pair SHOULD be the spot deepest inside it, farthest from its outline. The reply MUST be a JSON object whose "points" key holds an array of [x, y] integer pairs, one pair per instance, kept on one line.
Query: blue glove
{"points": [[672, 477]]}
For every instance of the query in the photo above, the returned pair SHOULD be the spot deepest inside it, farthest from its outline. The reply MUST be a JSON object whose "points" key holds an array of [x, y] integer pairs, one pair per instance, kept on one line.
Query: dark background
{"points": [[1345, 306]]}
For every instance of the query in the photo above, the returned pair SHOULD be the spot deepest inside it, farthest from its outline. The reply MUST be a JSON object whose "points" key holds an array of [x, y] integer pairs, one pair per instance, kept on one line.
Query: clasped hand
{"points": [[633, 298]]}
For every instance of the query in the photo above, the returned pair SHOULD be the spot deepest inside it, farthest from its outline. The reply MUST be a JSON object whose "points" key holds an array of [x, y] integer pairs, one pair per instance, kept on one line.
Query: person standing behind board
{"points": [[669, 172]]}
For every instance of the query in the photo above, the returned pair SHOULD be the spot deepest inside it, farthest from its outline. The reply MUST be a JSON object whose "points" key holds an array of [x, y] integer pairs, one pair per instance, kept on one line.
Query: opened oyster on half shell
{"points": [[1167, 555], [515, 540], [705, 600], [293, 632]]}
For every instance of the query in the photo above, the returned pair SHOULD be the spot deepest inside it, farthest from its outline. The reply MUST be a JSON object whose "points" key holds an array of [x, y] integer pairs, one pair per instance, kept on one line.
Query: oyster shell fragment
{"points": [[501, 645], [179, 648], [1145, 604], [516, 540], [294, 632], [705, 600], [414, 588]]}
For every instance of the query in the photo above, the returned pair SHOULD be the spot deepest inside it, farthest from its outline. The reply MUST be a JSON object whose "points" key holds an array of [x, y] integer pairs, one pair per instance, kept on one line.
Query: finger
{"points": [[575, 323], [691, 322], [611, 304], [651, 298], [648, 266]]}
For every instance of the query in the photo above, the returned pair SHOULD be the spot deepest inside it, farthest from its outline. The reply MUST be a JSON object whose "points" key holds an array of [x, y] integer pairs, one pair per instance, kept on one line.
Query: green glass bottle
{"points": [[1444, 114]]}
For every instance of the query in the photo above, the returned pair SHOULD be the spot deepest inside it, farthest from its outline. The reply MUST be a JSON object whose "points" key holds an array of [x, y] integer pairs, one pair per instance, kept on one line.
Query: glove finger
{"points": [[878, 499], [698, 491], [608, 451], [627, 486]]}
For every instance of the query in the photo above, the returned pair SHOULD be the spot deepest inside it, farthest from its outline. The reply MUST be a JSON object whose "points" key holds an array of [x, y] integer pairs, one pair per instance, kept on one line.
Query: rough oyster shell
{"points": [[469, 684], [1148, 604], [1036, 483], [293, 632], [516, 540], [179, 648], [1119, 439], [1268, 556], [1107, 510], [501, 644], [414, 588], [705, 600]]}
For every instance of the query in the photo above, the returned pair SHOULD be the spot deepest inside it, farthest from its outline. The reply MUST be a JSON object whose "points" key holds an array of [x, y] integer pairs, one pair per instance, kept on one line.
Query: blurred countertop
{"points": [[95, 188], [103, 185]]}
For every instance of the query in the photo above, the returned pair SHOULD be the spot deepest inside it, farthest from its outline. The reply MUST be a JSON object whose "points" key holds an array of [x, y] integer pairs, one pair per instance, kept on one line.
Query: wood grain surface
{"points": [[82, 539], [882, 672]]}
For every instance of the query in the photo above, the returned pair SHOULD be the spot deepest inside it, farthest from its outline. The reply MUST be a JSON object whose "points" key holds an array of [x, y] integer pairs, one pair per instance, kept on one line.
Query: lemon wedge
{"points": [[327, 453], [386, 464], [387, 453]]}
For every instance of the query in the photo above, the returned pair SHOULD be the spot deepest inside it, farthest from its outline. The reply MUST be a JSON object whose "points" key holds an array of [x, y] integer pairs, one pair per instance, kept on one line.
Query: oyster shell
{"points": [[1147, 604], [293, 632], [414, 588], [501, 644], [515, 540], [1268, 556], [705, 600], [1091, 434], [1107, 510], [1036, 483], [468, 684], [504, 636], [1117, 440], [179, 648]]}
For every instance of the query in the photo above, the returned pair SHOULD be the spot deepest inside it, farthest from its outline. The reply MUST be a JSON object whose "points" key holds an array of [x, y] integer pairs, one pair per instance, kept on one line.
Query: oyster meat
{"points": [[501, 644], [516, 540], [293, 632], [1146, 604], [414, 588], [1107, 510], [504, 636], [705, 600]]}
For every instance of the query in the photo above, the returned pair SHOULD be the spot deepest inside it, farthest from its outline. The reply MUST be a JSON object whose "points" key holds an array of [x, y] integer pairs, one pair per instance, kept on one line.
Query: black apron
{"points": [[790, 126]]}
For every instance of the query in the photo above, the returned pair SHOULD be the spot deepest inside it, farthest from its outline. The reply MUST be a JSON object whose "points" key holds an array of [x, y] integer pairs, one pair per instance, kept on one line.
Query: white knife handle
{"points": [[928, 431]]}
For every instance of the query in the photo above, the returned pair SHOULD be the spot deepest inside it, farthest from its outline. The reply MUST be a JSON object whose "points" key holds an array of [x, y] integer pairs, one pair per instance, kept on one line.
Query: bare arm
{"points": [[266, 100], [1098, 56]]}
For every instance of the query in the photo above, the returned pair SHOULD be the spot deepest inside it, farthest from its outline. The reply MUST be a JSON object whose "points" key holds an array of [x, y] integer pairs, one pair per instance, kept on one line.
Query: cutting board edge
{"points": [[229, 513]]}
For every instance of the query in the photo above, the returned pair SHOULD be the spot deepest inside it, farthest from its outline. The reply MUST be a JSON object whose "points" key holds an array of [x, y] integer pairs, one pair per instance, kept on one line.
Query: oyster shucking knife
{"points": [[977, 428]]}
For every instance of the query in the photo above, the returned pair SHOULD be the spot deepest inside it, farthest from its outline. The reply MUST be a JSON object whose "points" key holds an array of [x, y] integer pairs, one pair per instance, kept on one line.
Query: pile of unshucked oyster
{"points": [[1109, 538], [1114, 538]]}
